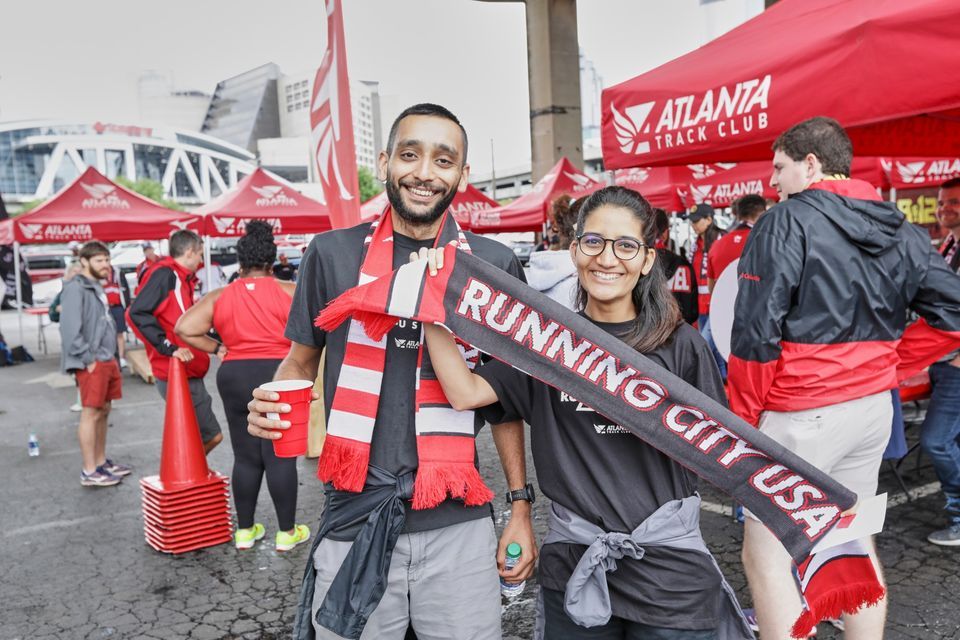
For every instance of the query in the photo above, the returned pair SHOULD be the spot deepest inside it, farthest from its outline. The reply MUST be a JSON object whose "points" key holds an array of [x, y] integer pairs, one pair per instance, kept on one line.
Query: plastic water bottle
{"points": [[508, 590], [33, 446]]}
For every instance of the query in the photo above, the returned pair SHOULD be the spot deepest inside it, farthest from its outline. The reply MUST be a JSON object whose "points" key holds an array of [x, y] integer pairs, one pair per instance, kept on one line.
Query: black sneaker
{"points": [[949, 537]]}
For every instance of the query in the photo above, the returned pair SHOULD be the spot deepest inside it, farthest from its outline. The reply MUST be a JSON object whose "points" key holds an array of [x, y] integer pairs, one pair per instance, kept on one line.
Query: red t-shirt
{"points": [[726, 250], [250, 315]]}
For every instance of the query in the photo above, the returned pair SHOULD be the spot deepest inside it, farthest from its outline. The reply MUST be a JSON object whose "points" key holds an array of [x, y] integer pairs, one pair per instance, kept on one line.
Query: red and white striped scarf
{"points": [[445, 436]]}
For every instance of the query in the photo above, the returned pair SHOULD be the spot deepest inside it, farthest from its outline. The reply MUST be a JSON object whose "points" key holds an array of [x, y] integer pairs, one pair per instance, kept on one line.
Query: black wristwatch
{"points": [[527, 493]]}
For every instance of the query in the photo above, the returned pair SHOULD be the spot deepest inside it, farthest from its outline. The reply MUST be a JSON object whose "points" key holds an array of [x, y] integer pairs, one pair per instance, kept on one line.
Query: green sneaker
{"points": [[246, 538], [287, 541]]}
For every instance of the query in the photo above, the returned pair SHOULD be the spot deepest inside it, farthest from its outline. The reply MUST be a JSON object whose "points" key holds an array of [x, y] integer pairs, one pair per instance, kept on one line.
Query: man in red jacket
{"points": [[165, 294], [748, 210], [826, 279]]}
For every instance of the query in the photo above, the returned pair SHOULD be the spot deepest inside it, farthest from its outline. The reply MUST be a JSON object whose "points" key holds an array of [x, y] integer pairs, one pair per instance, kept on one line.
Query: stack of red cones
{"points": [[186, 507]]}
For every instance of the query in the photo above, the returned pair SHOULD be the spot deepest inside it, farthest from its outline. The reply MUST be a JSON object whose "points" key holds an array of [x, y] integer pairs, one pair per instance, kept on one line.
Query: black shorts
{"points": [[118, 318]]}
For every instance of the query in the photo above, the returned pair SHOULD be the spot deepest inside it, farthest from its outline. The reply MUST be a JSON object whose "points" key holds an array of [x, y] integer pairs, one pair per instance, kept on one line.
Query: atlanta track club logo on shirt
{"points": [[730, 111]]}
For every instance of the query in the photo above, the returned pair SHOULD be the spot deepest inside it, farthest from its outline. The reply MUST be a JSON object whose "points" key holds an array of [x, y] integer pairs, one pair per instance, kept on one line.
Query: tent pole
{"points": [[206, 264], [893, 194], [16, 275]]}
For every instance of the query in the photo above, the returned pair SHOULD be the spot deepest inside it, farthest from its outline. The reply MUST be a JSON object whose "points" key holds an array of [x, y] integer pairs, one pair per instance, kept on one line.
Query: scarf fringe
{"points": [[348, 305], [344, 463], [844, 599], [435, 480]]}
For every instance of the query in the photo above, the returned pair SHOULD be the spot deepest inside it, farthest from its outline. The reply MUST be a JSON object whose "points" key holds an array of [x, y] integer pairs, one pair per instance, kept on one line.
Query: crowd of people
{"points": [[828, 278]]}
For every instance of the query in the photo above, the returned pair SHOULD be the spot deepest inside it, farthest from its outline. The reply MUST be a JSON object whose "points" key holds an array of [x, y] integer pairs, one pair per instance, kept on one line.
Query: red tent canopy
{"points": [[94, 207], [721, 184], [263, 196], [529, 211], [463, 205], [880, 67], [661, 186]]}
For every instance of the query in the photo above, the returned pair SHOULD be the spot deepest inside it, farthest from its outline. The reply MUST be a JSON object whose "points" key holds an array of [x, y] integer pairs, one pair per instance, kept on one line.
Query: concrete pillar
{"points": [[554, 65], [553, 59]]}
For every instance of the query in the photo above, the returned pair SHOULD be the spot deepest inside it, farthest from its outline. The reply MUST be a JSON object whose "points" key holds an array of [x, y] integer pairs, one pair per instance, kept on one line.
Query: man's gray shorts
{"points": [[202, 405], [444, 582]]}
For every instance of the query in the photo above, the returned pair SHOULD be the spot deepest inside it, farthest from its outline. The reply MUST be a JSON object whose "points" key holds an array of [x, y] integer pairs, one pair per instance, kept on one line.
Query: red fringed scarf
{"points": [[835, 581], [445, 436]]}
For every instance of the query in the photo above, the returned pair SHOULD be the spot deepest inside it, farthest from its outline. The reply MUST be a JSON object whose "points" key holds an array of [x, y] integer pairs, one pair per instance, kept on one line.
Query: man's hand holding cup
{"points": [[280, 411]]}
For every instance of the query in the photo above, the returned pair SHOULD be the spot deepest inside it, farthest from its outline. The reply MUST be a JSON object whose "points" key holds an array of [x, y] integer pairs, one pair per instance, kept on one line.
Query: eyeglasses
{"points": [[592, 244]]}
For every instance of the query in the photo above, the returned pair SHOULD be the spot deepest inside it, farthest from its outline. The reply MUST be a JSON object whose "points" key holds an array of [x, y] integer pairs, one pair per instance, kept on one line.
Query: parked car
{"points": [[522, 249], [47, 265]]}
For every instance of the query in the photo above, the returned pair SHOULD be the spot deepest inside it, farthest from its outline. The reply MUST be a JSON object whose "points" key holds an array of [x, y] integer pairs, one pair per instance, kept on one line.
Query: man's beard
{"points": [[425, 219]]}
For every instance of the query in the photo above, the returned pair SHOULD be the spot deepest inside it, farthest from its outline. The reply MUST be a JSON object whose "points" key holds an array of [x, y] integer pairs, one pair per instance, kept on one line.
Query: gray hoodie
{"points": [[553, 273], [87, 332]]}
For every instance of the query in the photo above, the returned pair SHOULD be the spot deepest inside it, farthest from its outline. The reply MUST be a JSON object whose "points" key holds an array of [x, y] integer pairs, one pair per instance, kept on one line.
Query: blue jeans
{"points": [[704, 323], [940, 433]]}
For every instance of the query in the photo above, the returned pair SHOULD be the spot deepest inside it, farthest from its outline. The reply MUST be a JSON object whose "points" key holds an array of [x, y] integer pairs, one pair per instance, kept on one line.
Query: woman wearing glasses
{"points": [[599, 476]]}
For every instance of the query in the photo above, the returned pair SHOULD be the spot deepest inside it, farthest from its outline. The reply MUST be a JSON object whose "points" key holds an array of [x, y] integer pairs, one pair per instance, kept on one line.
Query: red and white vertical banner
{"points": [[331, 127]]}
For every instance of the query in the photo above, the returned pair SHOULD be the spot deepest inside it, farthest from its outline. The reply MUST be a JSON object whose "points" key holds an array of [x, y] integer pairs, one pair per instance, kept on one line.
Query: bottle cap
{"points": [[514, 550]]}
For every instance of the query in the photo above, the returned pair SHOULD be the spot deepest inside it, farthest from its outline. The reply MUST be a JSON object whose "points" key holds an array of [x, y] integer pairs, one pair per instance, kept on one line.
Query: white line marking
{"points": [[59, 524], [118, 445], [899, 499]]}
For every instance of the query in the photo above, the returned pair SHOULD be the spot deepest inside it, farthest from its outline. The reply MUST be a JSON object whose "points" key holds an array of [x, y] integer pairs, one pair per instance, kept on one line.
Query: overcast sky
{"points": [[81, 60]]}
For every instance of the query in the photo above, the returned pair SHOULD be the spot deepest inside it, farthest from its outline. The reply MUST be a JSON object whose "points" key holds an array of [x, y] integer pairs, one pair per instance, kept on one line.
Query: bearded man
{"points": [[388, 556]]}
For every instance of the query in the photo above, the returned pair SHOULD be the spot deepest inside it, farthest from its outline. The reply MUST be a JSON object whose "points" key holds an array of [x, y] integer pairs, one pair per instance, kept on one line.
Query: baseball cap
{"points": [[700, 212], [146, 245]]}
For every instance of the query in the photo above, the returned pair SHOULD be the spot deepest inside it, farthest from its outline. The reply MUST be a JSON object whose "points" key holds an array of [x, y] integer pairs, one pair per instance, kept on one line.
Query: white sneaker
{"points": [[76, 407]]}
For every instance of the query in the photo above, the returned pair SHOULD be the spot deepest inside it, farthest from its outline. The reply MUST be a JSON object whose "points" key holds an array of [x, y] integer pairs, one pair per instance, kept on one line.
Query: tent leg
{"points": [[893, 194], [16, 276], [206, 265]]}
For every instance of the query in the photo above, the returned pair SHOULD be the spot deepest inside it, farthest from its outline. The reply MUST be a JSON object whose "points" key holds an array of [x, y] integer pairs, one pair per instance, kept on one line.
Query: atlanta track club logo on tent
{"points": [[723, 194], [31, 231], [273, 196], [238, 226], [728, 112], [102, 196], [580, 181], [933, 171], [56, 232]]}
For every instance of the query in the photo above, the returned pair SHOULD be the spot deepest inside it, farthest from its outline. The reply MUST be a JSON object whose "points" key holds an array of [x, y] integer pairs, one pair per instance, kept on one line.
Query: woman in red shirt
{"points": [[250, 315]]}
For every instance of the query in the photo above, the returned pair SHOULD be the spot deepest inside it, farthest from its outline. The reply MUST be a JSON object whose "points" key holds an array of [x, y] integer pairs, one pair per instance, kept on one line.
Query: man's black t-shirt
{"points": [[607, 475], [330, 266], [284, 271]]}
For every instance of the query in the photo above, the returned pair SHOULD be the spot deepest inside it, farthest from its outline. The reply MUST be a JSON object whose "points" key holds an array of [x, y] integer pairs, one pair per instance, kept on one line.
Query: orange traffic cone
{"points": [[187, 506], [182, 460]]}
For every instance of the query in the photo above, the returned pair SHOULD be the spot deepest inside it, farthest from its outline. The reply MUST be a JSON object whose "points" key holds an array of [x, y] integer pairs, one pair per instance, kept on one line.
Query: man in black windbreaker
{"points": [[825, 284]]}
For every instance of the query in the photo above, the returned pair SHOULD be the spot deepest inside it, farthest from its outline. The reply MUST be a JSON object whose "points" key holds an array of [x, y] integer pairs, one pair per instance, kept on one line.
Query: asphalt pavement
{"points": [[75, 564]]}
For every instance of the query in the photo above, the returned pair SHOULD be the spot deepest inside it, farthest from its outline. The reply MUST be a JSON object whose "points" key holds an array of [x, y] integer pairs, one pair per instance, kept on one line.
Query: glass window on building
{"points": [[114, 164]]}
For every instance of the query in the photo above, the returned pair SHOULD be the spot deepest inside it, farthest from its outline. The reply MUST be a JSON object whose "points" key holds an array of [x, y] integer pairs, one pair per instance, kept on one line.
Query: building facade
{"points": [[38, 158]]}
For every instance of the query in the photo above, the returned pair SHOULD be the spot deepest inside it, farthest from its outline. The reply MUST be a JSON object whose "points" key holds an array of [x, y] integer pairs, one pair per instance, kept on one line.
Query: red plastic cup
{"points": [[296, 393]]}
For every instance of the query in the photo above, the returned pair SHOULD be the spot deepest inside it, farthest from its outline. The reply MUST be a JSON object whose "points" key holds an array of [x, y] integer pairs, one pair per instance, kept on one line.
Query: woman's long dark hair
{"points": [[256, 249], [657, 312]]}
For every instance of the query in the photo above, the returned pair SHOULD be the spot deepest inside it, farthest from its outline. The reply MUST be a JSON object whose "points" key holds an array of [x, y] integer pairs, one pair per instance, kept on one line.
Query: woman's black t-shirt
{"points": [[607, 475]]}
